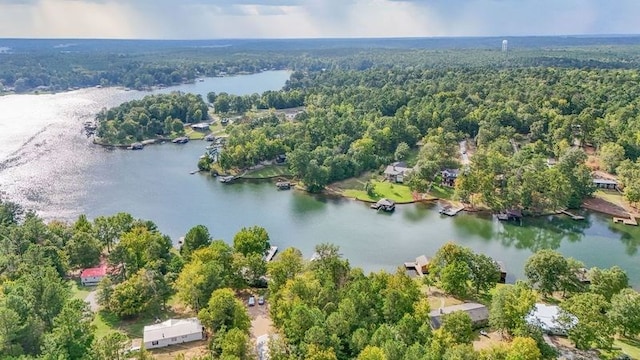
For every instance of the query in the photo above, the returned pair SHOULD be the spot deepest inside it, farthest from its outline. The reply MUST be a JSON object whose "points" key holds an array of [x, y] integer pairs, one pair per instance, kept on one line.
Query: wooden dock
{"points": [[420, 266], [451, 211], [630, 221], [573, 216], [270, 253]]}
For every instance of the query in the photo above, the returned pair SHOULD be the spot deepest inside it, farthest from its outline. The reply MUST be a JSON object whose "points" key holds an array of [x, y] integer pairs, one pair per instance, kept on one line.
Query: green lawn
{"points": [[193, 135], [441, 192], [133, 328], [269, 172], [382, 189], [78, 291], [628, 346]]}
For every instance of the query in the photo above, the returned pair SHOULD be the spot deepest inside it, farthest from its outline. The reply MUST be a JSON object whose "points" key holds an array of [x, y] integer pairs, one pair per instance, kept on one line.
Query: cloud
{"points": [[173, 19]]}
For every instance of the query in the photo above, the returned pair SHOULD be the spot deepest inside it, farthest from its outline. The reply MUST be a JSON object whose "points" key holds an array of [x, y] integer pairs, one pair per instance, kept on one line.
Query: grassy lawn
{"points": [[270, 171], [78, 291], [628, 346], [193, 135], [106, 322], [382, 189], [610, 196], [441, 192]]}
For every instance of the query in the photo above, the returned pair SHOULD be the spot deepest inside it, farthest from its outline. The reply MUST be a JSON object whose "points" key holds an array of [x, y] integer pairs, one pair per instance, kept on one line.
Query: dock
{"points": [[630, 221], [271, 253], [226, 179], [283, 185], [450, 211], [573, 216], [421, 265]]}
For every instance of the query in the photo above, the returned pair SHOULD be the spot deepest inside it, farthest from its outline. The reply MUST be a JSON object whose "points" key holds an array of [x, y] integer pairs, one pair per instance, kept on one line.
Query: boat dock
{"points": [[421, 265], [450, 210], [630, 221], [573, 216], [271, 253], [226, 179]]}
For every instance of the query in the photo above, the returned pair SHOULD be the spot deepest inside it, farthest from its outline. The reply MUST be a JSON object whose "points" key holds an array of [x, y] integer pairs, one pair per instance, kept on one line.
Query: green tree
{"points": [[608, 282], [224, 311], [402, 151], [591, 326], [625, 312], [523, 348], [459, 325], [509, 307], [108, 229], [111, 347], [235, 344], [611, 155], [372, 353], [72, 334], [83, 250], [484, 272], [545, 269], [144, 292], [252, 240], [197, 237], [10, 324], [285, 267]]}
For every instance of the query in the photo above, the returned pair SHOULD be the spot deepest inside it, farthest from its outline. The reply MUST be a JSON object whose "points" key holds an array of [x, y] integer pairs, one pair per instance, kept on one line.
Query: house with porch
{"points": [[606, 184], [92, 276], [449, 176], [397, 172]]}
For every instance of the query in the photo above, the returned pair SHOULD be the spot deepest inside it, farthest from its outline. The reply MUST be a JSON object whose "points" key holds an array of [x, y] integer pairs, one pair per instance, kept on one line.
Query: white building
{"points": [[171, 332], [546, 317]]}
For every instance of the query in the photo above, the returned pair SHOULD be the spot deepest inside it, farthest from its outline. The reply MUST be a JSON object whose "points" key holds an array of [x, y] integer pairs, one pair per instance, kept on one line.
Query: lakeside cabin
{"points": [[479, 314], [384, 205], [200, 126], [449, 176], [172, 332], [606, 184], [396, 172], [92, 276]]}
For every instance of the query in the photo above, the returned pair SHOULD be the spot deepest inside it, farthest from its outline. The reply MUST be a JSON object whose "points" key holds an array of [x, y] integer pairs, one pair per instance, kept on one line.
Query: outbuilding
{"points": [[92, 276], [172, 332]]}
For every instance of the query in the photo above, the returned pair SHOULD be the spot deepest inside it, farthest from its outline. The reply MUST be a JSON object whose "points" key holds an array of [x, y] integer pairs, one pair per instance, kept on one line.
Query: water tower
{"points": [[504, 45]]}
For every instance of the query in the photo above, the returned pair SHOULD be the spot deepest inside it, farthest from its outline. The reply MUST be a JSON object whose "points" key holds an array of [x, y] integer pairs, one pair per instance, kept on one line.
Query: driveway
{"points": [[92, 300]]}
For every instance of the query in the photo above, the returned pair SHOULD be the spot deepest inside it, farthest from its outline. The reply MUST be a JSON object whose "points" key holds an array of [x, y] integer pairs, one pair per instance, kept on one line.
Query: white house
{"points": [[546, 317], [171, 332], [397, 171], [92, 276]]}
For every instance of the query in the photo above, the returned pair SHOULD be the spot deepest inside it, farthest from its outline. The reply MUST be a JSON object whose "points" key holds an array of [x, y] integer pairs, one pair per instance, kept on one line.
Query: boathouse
{"points": [[384, 205], [172, 332], [479, 314], [605, 184], [283, 185], [511, 214], [396, 172], [503, 272], [180, 140], [421, 265]]}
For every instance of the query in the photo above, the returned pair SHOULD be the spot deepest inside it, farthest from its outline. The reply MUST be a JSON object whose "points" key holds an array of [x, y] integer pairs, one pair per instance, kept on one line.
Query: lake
{"points": [[47, 164]]}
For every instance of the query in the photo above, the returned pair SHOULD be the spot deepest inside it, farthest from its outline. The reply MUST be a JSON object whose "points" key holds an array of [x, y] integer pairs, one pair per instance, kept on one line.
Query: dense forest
{"points": [[150, 117], [321, 308]]}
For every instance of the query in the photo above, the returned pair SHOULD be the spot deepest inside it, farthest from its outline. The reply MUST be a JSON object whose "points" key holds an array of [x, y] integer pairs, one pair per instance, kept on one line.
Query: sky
{"points": [[213, 19]]}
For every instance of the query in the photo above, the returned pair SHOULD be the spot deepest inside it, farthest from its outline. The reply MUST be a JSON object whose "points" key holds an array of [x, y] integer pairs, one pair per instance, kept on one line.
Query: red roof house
{"points": [[92, 276]]}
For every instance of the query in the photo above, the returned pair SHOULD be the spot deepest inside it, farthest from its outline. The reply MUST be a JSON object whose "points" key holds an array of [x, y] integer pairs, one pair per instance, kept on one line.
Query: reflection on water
{"points": [[47, 164]]}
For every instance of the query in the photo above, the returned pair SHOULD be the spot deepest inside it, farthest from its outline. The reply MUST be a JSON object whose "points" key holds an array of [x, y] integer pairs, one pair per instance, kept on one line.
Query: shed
{"points": [[479, 314], [92, 276], [546, 317], [172, 332]]}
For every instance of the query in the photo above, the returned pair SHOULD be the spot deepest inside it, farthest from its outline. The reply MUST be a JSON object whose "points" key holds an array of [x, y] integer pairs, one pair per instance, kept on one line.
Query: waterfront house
{"points": [[396, 172], [605, 184], [546, 317], [384, 205], [92, 276], [200, 126], [172, 332], [479, 314], [449, 176]]}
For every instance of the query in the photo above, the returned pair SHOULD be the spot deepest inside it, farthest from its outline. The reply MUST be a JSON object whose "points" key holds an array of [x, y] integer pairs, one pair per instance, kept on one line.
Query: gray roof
{"points": [[385, 202], [605, 182], [172, 328], [477, 312], [546, 317], [397, 168]]}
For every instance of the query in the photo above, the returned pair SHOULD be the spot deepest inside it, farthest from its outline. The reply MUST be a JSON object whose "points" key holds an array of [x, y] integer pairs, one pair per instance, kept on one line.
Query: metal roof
{"points": [[172, 328]]}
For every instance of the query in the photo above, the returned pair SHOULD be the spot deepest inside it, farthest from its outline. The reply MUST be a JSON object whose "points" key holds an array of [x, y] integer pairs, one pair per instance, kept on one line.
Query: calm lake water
{"points": [[48, 165]]}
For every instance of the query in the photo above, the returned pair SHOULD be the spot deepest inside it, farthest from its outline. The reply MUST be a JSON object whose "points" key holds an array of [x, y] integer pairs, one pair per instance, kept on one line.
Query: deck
{"points": [[631, 221], [571, 215], [451, 211]]}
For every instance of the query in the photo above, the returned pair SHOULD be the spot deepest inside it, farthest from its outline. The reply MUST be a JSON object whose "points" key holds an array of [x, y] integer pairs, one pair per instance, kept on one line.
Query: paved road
{"points": [[463, 153]]}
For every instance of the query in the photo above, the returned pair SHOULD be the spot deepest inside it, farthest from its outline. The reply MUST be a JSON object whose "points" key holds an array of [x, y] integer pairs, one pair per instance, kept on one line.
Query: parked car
{"points": [[252, 301], [261, 300]]}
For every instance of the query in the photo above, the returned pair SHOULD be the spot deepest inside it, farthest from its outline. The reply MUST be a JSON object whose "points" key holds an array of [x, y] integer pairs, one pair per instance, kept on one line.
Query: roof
{"points": [[386, 202], [514, 212], [477, 312], [172, 328], [450, 172], [502, 266], [94, 272], [422, 261], [546, 317], [605, 182], [397, 168]]}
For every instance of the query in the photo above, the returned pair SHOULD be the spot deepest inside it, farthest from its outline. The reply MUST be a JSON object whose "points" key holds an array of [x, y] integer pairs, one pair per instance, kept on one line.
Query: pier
{"points": [[630, 221], [450, 210], [421, 265], [573, 216]]}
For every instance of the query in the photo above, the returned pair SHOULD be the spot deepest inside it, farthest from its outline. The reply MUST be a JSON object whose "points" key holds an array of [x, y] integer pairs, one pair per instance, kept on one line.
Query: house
{"points": [[479, 314], [92, 276], [546, 317], [171, 332], [200, 126], [281, 159], [449, 176], [605, 184], [396, 172], [385, 205]]}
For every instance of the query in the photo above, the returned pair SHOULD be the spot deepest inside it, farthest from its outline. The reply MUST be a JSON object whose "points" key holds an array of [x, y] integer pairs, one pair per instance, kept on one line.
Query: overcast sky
{"points": [[211, 19]]}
